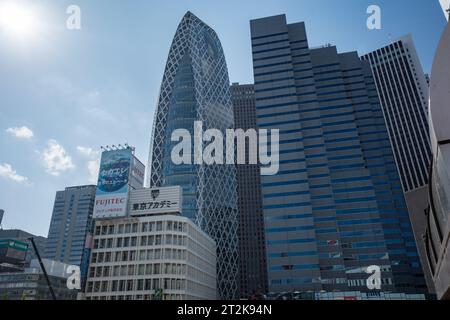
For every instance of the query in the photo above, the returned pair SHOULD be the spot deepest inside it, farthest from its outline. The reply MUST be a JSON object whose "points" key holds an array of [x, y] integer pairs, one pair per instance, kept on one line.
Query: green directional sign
{"points": [[14, 244]]}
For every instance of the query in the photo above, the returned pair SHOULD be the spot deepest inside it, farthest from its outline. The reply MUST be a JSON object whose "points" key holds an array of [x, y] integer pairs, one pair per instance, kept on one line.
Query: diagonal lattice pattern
{"points": [[196, 57]]}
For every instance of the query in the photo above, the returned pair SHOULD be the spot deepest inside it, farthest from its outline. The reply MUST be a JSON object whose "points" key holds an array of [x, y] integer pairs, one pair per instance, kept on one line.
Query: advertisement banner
{"points": [[146, 202], [111, 198]]}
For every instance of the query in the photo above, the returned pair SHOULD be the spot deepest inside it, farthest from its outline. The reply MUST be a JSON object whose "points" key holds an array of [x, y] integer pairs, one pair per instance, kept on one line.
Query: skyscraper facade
{"points": [[252, 254], [195, 88], [336, 205], [403, 90], [70, 225]]}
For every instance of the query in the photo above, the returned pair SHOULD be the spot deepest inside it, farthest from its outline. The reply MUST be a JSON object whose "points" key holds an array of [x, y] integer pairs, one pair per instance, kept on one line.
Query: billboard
{"points": [[144, 202], [111, 198]]}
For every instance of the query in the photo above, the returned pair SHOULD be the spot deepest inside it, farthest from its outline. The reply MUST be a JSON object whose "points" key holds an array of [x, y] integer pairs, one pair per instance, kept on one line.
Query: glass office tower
{"points": [[70, 225], [195, 87], [336, 205]]}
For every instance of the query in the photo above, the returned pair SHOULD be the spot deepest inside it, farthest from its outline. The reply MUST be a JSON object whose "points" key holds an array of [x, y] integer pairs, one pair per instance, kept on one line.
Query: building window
{"points": [[129, 285]]}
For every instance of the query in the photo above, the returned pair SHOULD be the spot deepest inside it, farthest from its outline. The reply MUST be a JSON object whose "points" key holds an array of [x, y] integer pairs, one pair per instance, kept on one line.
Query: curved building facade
{"points": [[437, 236], [195, 87]]}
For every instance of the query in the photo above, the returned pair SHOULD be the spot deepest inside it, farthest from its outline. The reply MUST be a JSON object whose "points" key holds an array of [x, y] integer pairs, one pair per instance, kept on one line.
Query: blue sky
{"points": [[64, 93]]}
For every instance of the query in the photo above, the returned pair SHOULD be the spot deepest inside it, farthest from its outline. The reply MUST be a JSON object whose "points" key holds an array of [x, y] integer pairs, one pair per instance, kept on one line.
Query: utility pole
{"points": [[43, 268]]}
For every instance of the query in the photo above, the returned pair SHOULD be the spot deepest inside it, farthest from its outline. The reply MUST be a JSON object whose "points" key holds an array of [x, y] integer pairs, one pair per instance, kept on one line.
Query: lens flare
{"points": [[17, 19]]}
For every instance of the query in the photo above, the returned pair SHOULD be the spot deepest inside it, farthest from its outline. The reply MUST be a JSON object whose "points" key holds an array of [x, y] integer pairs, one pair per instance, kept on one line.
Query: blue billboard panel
{"points": [[114, 171], [113, 183]]}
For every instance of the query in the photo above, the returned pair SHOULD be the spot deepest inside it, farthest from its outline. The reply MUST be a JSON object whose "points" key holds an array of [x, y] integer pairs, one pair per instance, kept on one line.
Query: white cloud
{"points": [[21, 132], [56, 159], [88, 152], [8, 172], [93, 168], [92, 165]]}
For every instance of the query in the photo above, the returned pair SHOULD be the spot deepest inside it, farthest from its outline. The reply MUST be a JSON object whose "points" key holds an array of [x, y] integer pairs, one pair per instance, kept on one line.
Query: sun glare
{"points": [[17, 19]]}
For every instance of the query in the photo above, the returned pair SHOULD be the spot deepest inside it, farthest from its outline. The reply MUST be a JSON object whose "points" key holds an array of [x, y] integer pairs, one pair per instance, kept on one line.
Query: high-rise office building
{"points": [[70, 225], [437, 236], [195, 88], [252, 254], [336, 205], [403, 90]]}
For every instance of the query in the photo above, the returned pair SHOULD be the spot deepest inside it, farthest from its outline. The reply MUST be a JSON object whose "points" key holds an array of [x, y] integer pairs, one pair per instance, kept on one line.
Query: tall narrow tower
{"points": [[253, 263], [195, 87]]}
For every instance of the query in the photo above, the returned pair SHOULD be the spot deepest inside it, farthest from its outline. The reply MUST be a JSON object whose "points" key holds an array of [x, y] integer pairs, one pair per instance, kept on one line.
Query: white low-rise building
{"points": [[149, 255]]}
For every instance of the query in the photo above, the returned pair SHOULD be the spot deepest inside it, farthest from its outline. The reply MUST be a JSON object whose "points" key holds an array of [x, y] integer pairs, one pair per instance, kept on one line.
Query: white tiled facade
{"points": [[134, 258]]}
